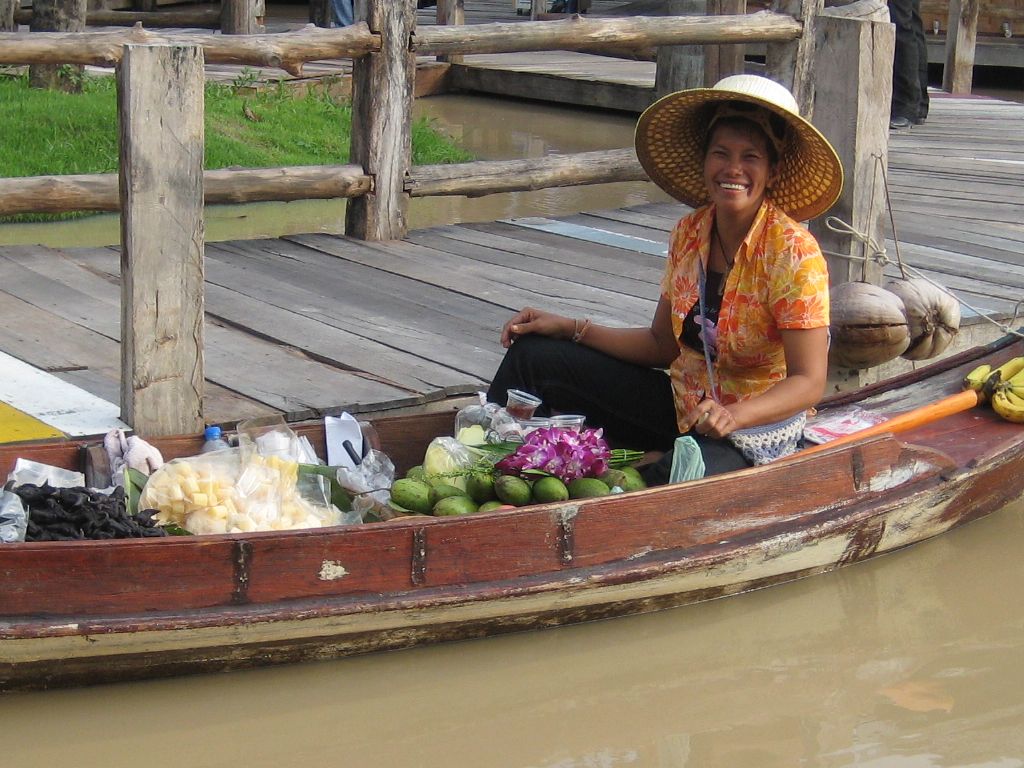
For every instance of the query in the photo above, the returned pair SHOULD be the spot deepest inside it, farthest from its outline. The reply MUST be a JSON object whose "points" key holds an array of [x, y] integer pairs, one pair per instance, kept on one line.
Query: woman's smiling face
{"points": [[737, 168]]}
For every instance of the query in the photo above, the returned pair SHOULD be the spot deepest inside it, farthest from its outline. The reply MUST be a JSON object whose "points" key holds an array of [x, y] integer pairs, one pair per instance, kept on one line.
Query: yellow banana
{"points": [[1004, 372], [1009, 406], [976, 379]]}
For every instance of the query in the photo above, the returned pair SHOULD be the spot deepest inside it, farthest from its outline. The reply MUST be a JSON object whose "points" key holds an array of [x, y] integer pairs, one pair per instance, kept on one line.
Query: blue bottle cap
{"points": [[211, 433]]}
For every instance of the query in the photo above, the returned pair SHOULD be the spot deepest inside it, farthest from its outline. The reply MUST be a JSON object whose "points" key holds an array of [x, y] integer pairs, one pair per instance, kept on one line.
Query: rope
{"points": [[879, 255]]}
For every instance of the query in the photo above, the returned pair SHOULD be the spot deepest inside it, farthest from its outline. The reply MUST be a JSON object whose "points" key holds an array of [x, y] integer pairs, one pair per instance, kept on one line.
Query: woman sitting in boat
{"points": [[741, 155]]}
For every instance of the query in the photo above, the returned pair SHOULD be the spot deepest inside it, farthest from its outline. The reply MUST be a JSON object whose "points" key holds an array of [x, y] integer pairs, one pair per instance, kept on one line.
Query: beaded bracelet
{"points": [[578, 330]]}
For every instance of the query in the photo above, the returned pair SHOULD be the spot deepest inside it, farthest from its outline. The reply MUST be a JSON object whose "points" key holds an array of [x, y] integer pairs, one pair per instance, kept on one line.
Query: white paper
{"points": [[337, 429]]}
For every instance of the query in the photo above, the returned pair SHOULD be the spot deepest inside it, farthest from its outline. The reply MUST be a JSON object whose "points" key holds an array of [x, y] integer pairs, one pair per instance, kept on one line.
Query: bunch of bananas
{"points": [[1002, 386]]}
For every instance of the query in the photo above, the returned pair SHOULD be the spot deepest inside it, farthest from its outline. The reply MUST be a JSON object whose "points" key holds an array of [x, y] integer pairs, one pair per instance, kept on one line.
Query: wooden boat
{"points": [[88, 612]]}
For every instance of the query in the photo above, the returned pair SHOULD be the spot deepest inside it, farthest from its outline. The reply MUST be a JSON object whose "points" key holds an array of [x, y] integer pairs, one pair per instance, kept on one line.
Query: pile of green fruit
{"points": [[417, 493]]}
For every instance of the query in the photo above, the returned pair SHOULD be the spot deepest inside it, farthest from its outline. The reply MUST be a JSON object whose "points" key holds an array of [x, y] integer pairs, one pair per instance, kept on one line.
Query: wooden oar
{"points": [[924, 414]]}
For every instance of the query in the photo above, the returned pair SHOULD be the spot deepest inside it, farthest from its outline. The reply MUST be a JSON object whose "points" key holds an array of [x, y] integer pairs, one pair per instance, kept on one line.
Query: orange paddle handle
{"points": [[925, 414]]}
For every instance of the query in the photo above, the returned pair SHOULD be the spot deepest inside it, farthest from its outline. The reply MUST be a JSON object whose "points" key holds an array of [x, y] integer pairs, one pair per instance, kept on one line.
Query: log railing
{"points": [[162, 393]]}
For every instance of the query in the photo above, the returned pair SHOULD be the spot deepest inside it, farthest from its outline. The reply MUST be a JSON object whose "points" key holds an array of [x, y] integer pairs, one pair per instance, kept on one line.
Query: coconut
{"points": [[933, 316], [869, 325]]}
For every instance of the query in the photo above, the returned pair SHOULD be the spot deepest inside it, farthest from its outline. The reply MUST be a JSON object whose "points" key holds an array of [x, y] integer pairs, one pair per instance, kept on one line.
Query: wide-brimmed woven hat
{"points": [[670, 139]]}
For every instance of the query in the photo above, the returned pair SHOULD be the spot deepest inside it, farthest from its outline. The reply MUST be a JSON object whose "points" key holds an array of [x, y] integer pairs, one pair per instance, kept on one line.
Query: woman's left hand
{"points": [[711, 419]]}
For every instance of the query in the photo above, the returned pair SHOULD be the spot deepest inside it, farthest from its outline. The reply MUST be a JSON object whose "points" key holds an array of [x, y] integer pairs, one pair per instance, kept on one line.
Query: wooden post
{"points": [[7, 16], [451, 12], [160, 106], [853, 113], [680, 66], [382, 96], [724, 60], [792, 63], [242, 17], [962, 31], [57, 16]]}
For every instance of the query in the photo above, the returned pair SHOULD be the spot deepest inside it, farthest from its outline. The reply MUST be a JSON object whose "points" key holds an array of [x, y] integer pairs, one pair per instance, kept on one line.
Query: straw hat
{"points": [[670, 144]]}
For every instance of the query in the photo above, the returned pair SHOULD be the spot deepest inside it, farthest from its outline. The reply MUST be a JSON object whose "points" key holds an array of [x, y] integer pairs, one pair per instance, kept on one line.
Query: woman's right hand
{"points": [[530, 320]]}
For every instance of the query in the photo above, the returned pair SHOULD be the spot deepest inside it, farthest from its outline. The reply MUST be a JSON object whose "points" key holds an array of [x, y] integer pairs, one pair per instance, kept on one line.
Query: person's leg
{"points": [[341, 13], [633, 404], [922, 64], [906, 86], [719, 456]]}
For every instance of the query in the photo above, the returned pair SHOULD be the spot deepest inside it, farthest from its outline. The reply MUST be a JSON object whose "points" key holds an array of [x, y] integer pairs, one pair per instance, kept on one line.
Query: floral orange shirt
{"points": [[779, 281]]}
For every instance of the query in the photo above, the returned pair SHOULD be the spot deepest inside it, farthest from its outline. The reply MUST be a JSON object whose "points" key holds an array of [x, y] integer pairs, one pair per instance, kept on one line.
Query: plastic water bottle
{"points": [[214, 440]]}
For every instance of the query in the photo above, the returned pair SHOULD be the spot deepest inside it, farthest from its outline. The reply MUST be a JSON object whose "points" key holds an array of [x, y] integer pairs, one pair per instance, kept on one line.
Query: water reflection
{"points": [[489, 128], [912, 660]]}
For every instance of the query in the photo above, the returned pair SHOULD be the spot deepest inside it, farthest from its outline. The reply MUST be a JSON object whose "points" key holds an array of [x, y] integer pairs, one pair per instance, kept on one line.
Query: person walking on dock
{"points": [[909, 66]]}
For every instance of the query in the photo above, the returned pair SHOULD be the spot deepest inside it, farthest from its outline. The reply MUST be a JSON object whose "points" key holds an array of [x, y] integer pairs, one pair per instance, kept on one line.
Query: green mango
{"points": [[587, 488], [512, 490], [412, 494], [455, 505], [548, 489]]}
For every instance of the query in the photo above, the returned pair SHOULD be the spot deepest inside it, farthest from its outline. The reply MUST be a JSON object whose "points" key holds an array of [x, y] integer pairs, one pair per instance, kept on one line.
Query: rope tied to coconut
{"points": [[876, 252]]}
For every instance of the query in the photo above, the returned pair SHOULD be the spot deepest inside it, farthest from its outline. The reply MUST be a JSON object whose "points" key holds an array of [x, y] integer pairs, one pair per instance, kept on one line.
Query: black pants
{"points": [[633, 404], [910, 63]]}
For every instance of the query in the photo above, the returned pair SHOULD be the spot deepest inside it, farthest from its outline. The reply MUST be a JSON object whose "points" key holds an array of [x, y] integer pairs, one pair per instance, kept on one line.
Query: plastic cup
{"points": [[521, 404], [573, 421], [528, 425]]}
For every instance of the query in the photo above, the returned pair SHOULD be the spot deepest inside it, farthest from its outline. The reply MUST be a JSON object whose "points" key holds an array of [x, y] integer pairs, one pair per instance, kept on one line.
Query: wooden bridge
{"points": [[318, 323]]}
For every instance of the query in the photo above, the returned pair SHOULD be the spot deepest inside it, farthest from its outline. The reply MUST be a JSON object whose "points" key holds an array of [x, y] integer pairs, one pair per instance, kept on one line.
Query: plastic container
{"points": [[214, 440], [521, 404]]}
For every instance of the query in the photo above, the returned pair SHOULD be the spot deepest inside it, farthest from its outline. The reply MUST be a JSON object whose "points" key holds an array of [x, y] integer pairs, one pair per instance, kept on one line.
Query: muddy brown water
{"points": [[913, 660], [491, 129]]}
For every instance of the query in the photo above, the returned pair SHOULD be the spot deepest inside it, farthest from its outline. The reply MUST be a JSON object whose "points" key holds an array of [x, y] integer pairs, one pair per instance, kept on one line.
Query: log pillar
{"points": [[242, 17], [853, 113], [57, 16], [680, 66], [724, 60], [961, 35], [160, 113], [382, 97], [792, 63], [451, 12], [7, 16]]}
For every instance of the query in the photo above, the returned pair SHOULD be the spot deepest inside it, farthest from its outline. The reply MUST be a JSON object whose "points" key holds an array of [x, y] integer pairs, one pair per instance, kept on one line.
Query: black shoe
{"points": [[897, 123]]}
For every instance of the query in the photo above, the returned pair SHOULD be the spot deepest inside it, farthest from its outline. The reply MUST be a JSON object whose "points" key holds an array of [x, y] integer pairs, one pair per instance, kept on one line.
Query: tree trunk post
{"points": [[242, 17], [853, 114], [162, 237], [792, 63], [724, 60], [57, 16], [7, 16], [382, 97], [451, 12], [961, 35], [680, 66]]}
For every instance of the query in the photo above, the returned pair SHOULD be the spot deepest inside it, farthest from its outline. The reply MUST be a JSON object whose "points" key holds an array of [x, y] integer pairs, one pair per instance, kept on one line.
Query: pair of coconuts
{"points": [[909, 317]]}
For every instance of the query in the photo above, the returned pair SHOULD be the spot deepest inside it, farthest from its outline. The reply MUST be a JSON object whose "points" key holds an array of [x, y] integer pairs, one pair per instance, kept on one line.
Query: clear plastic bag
{"points": [[27, 472], [448, 460], [233, 491], [369, 484], [13, 518], [479, 414]]}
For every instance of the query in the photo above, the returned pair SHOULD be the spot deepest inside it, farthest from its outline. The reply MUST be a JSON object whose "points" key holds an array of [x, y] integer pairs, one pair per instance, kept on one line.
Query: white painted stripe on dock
{"points": [[54, 401], [592, 235]]}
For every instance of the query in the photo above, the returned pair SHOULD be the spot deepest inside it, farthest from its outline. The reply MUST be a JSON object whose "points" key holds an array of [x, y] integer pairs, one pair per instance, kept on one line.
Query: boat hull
{"points": [[74, 613]]}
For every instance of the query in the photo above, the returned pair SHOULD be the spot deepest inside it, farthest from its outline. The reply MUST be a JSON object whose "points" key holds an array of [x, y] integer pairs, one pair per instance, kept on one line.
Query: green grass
{"points": [[53, 133]]}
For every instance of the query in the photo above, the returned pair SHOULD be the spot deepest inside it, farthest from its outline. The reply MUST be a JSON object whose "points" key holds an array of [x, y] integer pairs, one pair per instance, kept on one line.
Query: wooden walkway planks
{"points": [[315, 323]]}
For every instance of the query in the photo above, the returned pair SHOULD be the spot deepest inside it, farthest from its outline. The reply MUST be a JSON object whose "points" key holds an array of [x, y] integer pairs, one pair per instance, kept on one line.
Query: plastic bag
{"points": [[230, 492], [13, 518], [448, 460], [270, 436], [369, 483], [479, 414], [33, 473]]}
